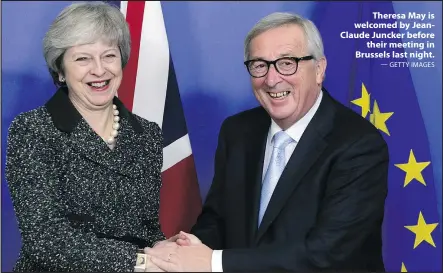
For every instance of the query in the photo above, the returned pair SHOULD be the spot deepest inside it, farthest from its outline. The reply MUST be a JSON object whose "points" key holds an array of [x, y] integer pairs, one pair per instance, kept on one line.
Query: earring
{"points": [[62, 79]]}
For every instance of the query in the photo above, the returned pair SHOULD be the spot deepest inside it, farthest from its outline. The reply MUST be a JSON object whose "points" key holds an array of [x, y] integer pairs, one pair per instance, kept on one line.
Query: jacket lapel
{"points": [[307, 151], [132, 147], [255, 149], [88, 144], [84, 141]]}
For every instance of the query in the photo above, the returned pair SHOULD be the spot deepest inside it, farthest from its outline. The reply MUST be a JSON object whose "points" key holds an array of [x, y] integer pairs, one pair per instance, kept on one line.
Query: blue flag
{"points": [[372, 76]]}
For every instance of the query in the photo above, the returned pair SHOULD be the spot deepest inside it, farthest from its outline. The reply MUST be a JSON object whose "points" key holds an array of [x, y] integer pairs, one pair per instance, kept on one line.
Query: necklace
{"points": [[115, 126]]}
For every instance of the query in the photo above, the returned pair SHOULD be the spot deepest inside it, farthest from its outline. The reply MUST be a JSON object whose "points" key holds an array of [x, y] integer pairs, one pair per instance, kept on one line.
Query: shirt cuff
{"points": [[216, 262]]}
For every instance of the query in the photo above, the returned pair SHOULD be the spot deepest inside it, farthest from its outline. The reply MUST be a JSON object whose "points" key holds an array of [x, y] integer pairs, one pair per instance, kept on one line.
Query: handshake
{"points": [[181, 253]]}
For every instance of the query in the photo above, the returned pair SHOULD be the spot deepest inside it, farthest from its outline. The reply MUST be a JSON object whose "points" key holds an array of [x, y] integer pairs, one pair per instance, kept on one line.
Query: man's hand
{"points": [[186, 239], [182, 238], [173, 239], [176, 258]]}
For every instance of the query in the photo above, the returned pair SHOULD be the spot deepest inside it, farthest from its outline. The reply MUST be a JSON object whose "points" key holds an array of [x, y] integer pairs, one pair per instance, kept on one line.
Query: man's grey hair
{"points": [[278, 19], [85, 23]]}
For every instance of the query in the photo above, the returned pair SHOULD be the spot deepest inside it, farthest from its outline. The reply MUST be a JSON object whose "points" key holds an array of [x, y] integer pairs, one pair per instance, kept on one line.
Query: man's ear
{"points": [[320, 69]]}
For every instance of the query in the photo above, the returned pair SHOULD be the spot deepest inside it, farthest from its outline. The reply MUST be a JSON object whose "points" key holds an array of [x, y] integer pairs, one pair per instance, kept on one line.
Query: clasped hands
{"points": [[183, 252]]}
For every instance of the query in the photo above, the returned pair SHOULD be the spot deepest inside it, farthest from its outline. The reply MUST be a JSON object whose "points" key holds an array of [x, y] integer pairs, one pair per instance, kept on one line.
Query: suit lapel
{"points": [[255, 149], [133, 146], [307, 151], [87, 143], [300, 162]]}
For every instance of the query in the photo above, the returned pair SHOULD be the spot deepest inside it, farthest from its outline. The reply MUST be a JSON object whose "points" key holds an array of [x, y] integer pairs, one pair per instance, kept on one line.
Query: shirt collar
{"points": [[298, 128]]}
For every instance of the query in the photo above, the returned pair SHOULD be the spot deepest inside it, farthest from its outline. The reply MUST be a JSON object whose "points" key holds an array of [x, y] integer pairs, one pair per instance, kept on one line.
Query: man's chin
{"points": [[283, 119], [279, 114]]}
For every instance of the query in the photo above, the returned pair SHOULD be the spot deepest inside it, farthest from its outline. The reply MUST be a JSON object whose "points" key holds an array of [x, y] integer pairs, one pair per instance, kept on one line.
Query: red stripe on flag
{"points": [[134, 17], [180, 201]]}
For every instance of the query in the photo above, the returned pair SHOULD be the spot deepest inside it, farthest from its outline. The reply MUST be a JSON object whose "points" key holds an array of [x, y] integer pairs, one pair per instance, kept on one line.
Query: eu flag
{"points": [[380, 88]]}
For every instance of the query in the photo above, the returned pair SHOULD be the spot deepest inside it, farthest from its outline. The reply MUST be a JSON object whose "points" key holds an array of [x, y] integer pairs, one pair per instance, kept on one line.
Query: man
{"points": [[324, 166]]}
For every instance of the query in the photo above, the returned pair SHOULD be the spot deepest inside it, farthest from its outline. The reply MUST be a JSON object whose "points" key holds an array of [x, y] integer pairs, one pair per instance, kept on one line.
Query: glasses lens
{"points": [[287, 66], [258, 68]]}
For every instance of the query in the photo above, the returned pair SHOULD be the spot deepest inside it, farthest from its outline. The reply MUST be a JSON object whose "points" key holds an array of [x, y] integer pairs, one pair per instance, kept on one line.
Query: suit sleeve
{"points": [[209, 226], [352, 208], [47, 237]]}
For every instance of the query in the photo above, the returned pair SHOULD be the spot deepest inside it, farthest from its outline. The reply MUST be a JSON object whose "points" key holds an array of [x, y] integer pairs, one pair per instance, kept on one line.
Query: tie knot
{"points": [[281, 139]]}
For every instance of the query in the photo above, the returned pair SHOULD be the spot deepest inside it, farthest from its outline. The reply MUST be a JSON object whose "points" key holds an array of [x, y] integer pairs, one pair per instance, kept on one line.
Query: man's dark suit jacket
{"points": [[327, 210]]}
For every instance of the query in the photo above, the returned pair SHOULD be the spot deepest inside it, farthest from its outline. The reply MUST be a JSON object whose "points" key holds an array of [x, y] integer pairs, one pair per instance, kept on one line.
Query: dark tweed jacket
{"points": [[81, 206]]}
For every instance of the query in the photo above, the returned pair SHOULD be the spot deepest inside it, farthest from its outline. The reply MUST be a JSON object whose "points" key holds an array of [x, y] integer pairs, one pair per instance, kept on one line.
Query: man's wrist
{"points": [[216, 261]]}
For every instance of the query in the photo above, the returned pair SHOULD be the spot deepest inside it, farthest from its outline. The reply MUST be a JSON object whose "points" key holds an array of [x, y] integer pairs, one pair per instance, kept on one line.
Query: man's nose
{"points": [[273, 77]]}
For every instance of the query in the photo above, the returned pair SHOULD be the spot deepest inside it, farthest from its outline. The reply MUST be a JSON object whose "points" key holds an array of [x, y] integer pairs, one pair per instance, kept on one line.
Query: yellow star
{"points": [[413, 169], [379, 119], [364, 101], [403, 268], [422, 231]]}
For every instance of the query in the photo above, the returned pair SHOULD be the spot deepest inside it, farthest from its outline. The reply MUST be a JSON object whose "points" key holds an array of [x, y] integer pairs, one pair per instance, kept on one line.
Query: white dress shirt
{"points": [[295, 132]]}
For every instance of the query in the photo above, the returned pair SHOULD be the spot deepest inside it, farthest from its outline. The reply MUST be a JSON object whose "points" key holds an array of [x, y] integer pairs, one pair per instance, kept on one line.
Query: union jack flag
{"points": [[149, 88]]}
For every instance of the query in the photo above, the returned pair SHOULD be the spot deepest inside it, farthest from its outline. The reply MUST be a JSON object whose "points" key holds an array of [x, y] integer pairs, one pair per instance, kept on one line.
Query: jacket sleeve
{"points": [[209, 226], [47, 237], [352, 208]]}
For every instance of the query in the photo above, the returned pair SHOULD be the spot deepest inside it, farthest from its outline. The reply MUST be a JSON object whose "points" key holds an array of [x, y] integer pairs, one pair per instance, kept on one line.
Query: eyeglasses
{"points": [[286, 66]]}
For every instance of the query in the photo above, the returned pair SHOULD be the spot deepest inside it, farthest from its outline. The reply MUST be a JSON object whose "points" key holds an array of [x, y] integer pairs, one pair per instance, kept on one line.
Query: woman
{"points": [[83, 171]]}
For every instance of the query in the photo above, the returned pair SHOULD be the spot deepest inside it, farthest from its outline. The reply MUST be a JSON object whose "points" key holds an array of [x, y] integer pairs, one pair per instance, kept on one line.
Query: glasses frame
{"points": [[274, 62]]}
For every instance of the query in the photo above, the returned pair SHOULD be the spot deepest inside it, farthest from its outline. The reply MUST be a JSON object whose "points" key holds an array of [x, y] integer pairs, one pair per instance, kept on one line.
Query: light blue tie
{"points": [[275, 169]]}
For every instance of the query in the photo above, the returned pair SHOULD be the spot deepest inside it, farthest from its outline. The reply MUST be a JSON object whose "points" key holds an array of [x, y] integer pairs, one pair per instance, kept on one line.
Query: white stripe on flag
{"points": [[176, 152], [152, 78], [124, 7], [153, 66]]}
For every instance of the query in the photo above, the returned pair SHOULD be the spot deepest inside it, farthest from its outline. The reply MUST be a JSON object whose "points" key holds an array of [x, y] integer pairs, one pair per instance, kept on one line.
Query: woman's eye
{"points": [[81, 59]]}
